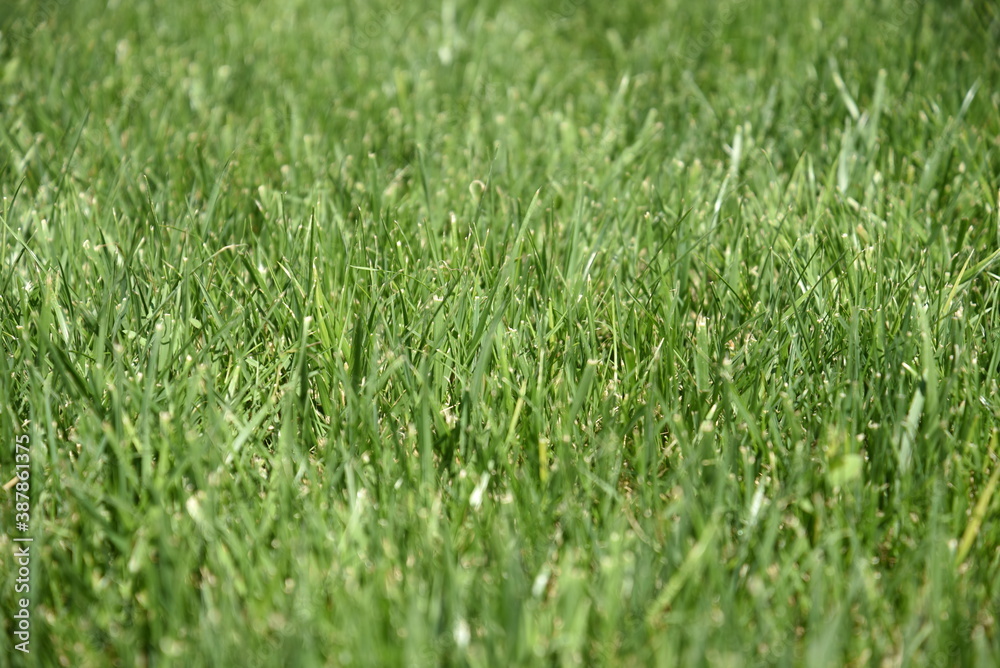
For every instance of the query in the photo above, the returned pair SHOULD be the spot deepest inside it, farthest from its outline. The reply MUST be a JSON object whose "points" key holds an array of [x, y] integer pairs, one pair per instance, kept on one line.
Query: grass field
{"points": [[500, 333]]}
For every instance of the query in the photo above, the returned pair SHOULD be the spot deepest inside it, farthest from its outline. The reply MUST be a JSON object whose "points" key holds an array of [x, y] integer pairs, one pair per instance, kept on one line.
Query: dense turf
{"points": [[502, 333]]}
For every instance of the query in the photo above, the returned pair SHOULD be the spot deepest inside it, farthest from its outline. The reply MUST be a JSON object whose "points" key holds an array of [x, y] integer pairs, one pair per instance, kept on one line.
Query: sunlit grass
{"points": [[503, 333]]}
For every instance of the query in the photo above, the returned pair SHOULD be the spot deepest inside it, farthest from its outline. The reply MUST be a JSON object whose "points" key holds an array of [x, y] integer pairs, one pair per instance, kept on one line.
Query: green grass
{"points": [[502, 333]]}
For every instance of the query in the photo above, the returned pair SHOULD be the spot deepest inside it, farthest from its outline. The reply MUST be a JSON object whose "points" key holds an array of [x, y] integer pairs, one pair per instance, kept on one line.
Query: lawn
{"points": [[499, 333]]}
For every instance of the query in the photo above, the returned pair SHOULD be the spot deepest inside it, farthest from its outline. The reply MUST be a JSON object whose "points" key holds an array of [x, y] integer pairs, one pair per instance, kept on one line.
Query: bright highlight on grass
{"points": [[487, 334]]}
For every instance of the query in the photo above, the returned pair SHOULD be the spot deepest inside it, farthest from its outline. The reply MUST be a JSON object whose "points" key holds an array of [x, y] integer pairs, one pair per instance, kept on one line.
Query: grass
{"points": [[502, 333]]}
